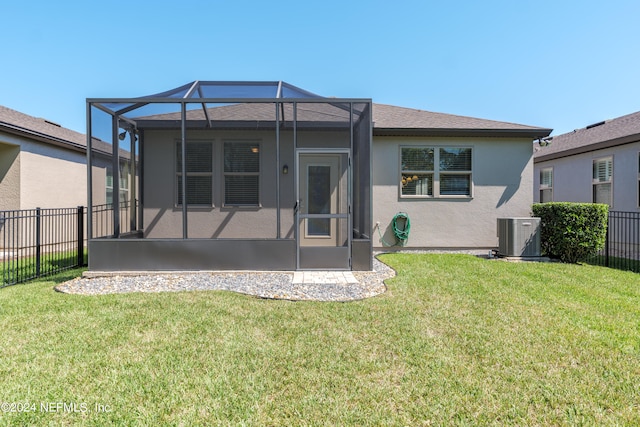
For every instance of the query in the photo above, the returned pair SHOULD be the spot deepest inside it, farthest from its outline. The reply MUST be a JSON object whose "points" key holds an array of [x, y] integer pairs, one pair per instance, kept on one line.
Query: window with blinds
{"points": [[602, 180], [546, 185], [241, 173], [417, 171], [435, 171], [455, 171], [199, 173]]}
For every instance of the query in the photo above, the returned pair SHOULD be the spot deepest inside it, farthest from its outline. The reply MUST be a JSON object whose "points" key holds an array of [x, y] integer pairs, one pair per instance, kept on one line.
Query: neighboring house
{"points": [[597, 164], [41, 163], [278, 178], [44, 165]]}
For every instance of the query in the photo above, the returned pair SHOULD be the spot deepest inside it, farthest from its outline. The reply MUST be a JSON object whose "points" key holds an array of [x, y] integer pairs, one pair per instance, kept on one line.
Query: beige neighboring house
{"points": [[42, 164], [597, 164]]}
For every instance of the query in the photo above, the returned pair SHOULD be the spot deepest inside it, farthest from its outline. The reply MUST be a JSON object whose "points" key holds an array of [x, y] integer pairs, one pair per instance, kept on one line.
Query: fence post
{"points": [[37, 242], [80, 222]]}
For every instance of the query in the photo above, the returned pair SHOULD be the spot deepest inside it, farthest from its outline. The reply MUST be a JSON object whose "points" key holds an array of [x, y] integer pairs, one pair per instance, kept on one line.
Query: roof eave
{"points": [[500, 133], [41, 137], [628, 139]]}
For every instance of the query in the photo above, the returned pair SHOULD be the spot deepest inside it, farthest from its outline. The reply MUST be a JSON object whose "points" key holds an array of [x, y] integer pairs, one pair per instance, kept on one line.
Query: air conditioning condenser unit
{"points": [[519, 237]]}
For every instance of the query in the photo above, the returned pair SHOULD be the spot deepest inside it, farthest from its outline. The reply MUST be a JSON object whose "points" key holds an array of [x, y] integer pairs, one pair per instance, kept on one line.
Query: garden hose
{"points": [[401, 226]]}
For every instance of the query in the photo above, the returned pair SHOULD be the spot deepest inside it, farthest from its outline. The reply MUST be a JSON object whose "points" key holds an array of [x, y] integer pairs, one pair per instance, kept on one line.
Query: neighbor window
{"points": [[124, 184], [241, 173], [435, 171], [602, 179], [199, 164], [546, 185]]}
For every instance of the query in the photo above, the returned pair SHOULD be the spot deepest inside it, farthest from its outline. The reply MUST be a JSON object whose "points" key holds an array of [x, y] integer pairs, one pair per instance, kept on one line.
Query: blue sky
{"points": [[562, 64]]}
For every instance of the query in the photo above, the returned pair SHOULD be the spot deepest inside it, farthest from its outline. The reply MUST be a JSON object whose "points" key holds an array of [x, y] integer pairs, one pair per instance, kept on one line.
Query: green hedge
{"points": [[571, 232]]}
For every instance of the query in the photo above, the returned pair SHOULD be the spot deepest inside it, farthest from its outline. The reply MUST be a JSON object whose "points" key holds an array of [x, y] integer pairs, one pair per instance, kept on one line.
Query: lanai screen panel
{"points": [[101, 173], [323, 125], [227, 114], [114, 174], [362, 170]]}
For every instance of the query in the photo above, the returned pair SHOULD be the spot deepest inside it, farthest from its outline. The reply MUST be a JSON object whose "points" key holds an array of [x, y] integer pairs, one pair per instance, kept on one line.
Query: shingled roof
{"points": [[608, 133], [388, 120], [392, 120], [43, 130]]}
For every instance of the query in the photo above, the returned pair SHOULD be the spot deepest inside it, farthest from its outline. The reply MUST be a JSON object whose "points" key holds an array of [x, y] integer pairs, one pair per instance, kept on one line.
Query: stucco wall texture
{"points": [[502, 172]]}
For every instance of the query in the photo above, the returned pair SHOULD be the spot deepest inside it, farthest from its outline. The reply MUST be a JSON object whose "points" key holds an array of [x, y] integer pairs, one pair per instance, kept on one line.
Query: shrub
{"points": [[571, 232]]}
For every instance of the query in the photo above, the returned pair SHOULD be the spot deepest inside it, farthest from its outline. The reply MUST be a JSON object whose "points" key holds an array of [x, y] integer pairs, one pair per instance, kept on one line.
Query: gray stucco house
{"points": [[265, 175], [596, 164]]}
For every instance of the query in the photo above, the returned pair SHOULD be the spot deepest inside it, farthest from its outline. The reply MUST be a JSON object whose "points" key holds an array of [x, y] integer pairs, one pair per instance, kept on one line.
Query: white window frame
{"points": [[124, 178], [546, 187], [178, 175], [435, 174], [226, 174], [596, 181]]}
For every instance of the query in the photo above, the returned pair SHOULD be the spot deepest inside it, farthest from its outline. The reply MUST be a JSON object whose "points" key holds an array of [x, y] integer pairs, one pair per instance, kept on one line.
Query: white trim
{"points": [[542, 187], [609, 182]]}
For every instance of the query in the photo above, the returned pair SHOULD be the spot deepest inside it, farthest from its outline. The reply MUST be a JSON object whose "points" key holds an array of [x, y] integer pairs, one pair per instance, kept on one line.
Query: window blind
{"points": [[546, 178], [241, 157], [417, 159], [199, 157], [455, 185], [199, 163], [455, 159], [241, 173], [602, 170], [602, 193]]}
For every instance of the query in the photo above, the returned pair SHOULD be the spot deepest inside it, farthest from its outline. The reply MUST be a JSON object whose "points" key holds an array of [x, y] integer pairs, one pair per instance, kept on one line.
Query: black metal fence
{"points": [[622, 247], [40, 242]]}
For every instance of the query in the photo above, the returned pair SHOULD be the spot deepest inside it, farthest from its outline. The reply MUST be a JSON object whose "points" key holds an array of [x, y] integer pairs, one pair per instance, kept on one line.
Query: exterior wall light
{"points": [[285, 169]]}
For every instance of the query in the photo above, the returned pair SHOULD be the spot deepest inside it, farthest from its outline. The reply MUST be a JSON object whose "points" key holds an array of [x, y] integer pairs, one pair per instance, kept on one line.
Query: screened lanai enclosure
{"points": [[230, 176]]}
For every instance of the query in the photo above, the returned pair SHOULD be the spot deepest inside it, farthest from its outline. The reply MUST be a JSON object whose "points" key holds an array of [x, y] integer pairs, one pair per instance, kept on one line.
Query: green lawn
{"points": [[456, 340], [22, 269]]}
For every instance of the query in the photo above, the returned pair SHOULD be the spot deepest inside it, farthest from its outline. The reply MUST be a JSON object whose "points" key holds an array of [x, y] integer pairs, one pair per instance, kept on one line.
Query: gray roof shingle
{"points": [[388, 118], [621, 130], [17, 122]]}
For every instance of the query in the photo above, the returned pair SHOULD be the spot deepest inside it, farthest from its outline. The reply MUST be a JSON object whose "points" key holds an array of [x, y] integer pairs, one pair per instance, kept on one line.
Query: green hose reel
{"points": [[401, 226]]}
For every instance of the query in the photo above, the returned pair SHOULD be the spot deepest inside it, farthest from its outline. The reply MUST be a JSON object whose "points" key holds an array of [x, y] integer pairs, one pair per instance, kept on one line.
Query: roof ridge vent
{"points": [[596, 124], [52, 123]]}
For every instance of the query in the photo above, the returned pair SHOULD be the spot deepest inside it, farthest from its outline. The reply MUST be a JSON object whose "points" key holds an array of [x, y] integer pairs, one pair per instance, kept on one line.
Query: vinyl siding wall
{"points": [[572, 177]]}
